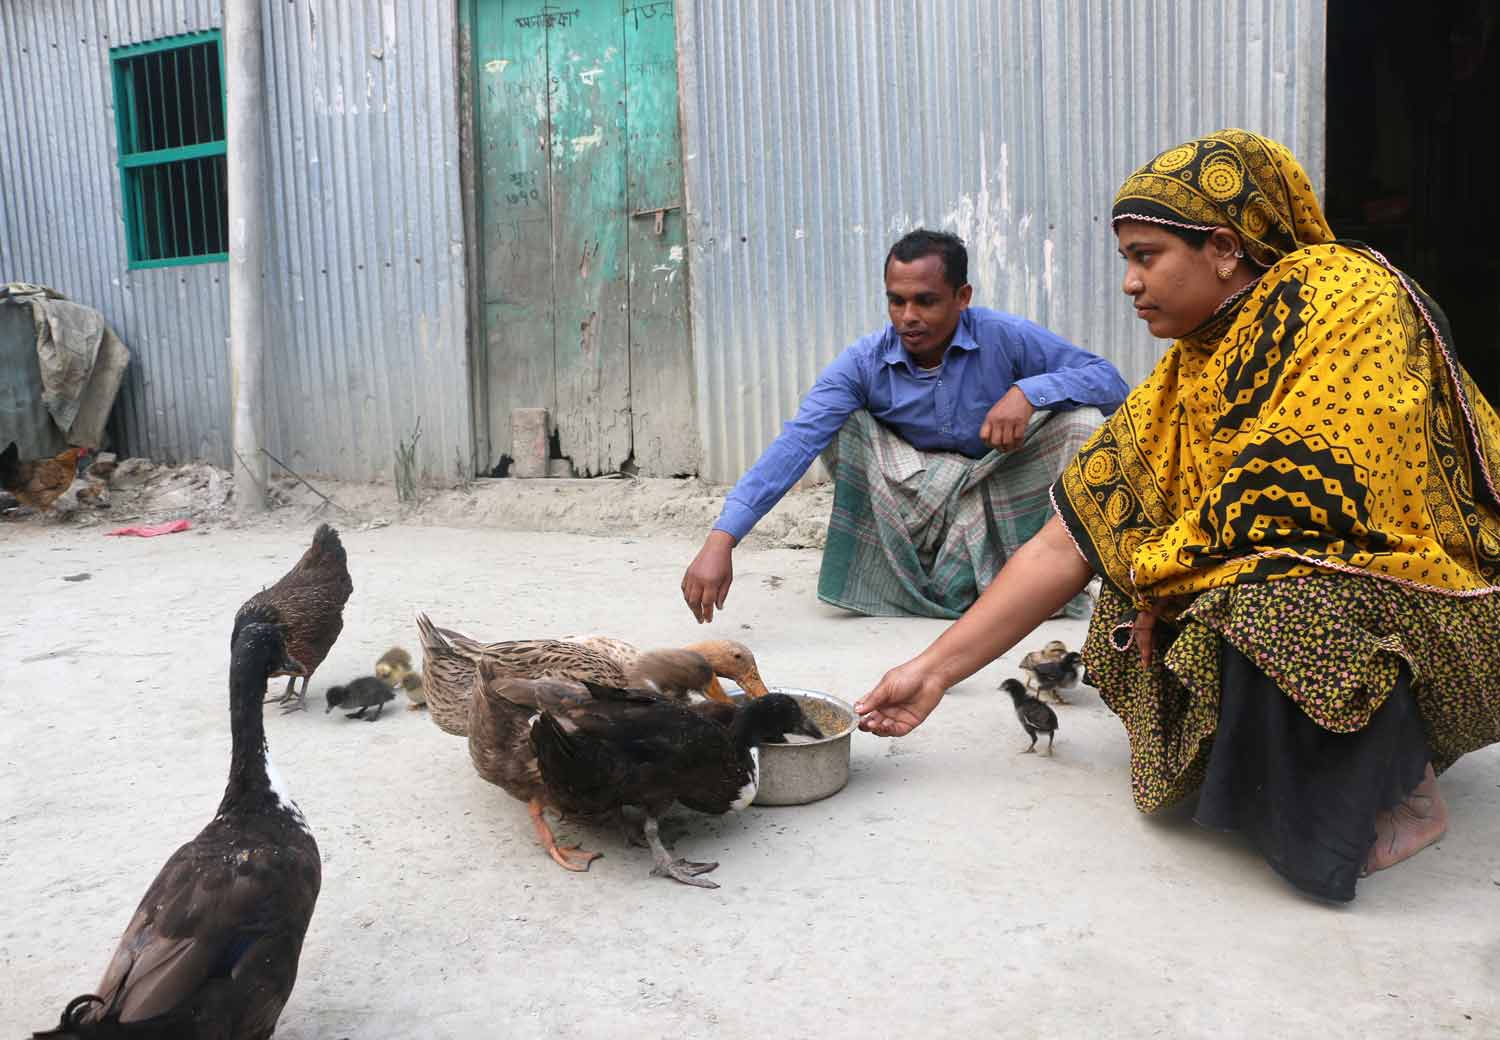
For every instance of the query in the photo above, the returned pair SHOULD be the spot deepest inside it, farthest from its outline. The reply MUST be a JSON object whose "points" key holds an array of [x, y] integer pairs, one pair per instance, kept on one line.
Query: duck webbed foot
{"points": [[685, 871], [569, 857]]}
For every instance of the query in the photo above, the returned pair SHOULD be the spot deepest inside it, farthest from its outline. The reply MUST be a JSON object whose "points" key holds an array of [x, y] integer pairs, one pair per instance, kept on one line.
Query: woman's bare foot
{"points": [[1410, 827]]}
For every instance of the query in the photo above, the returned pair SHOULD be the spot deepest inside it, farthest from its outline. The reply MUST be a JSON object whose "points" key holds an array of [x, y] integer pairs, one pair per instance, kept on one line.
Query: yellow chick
{"points": [[395, 667]]}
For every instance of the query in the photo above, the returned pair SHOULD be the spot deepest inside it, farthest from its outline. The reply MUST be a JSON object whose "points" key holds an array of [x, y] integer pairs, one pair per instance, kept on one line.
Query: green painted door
{"points": [[580, 178]]}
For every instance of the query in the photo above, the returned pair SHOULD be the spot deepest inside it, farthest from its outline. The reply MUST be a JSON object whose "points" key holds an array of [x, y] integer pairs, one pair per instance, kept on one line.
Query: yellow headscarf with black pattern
{"points": [[1318, 421]]}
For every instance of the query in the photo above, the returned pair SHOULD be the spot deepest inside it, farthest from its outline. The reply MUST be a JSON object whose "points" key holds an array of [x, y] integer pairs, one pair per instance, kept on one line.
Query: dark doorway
{"points": [[1414, 154]]}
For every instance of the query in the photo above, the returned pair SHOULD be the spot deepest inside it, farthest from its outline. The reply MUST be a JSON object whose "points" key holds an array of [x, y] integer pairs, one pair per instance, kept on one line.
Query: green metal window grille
{"points": [[169, 116]]}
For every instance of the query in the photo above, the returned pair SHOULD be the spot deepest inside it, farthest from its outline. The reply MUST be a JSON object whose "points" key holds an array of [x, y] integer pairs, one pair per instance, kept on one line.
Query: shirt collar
{"points": [[895, 353]]}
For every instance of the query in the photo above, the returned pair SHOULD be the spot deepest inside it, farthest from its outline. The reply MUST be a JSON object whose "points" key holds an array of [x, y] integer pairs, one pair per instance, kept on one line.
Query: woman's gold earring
{"points": [[1224, 273]]}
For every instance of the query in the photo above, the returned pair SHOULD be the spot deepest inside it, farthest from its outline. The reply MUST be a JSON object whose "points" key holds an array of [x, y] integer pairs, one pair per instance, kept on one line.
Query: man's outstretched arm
{"points": [[839, 391]]}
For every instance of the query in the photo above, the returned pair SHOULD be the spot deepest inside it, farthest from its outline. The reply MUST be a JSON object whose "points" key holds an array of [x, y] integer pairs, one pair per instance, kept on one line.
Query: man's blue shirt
{"points": [[937, 410]]}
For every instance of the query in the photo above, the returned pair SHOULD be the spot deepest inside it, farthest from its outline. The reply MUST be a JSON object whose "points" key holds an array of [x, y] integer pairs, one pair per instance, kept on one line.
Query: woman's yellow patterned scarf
{"points": [[1317, 421]]}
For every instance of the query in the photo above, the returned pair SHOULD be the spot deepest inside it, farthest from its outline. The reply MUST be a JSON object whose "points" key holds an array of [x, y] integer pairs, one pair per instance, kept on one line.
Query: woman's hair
{"points": [[1192, 236]]}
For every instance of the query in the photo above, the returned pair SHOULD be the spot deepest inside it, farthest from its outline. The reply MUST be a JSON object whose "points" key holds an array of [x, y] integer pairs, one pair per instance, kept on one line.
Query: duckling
{"points": [[620, 749], [411, 685], [499, 730], [1053, 669], [212, 949], [1036, 717], [364, 693], [394, 660], [395, 668]]}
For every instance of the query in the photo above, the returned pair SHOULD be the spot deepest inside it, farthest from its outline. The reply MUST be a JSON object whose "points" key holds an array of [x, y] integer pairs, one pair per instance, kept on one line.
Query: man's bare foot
{"points": [[1410, 827]]}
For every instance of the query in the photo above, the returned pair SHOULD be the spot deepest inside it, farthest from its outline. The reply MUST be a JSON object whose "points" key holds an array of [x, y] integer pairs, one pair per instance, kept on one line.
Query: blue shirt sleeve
{"points": [[1051, 371], [839, 391]]}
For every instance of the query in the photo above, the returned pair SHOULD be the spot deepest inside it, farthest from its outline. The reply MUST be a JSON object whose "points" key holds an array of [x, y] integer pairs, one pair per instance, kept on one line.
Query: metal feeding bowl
{"points": [[805, 770]]}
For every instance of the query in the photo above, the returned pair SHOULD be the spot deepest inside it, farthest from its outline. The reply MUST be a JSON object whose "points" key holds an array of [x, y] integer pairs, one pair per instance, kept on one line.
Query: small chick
{"points": [[395, 667], [392, 661], [1036, 718], [1053, 668], [364, 693]]}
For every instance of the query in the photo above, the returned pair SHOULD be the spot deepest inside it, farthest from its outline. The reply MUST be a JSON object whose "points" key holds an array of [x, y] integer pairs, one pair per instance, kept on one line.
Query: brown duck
{"points": [[448, 666]]}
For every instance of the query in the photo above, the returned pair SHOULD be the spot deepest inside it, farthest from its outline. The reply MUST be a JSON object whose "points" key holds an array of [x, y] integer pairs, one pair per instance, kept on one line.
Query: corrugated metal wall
{"points": [[816, 133], [365, 254]]}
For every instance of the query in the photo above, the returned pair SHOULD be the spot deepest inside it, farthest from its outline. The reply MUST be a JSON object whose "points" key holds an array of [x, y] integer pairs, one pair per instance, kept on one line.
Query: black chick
{"points": [[621, 748], [212, 949], [1036, 717], [365, 693]]}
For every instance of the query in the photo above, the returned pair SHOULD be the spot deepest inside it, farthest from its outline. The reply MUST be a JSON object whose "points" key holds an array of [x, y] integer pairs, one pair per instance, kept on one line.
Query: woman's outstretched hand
{"points": [[900, 701], [1042, 575]]}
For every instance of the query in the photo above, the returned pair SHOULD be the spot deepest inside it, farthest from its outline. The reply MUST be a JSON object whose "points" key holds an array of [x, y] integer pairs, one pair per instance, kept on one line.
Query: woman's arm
{"points": [[1043, 575]]}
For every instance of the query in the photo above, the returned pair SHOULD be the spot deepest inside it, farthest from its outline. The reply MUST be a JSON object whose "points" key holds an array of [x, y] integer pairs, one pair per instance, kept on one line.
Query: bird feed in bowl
{"points": [[805, 769]]}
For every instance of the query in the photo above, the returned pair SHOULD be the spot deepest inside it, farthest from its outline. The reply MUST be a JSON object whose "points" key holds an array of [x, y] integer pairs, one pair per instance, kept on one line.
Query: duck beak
{"points": [[327, 709], [752, 684], [714, 691]]}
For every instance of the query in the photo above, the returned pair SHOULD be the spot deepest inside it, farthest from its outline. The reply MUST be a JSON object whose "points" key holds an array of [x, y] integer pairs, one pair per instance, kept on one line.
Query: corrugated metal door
{"points": [[579, 171]]}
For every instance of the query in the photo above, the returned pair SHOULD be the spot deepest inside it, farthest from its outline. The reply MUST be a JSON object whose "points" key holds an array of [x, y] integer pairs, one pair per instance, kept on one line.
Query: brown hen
{"points": [[38, 482], [309, 605]]}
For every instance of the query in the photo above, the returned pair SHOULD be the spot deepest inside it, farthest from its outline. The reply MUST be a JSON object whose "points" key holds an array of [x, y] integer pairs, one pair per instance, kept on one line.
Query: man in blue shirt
{"points": [[939, 458]]}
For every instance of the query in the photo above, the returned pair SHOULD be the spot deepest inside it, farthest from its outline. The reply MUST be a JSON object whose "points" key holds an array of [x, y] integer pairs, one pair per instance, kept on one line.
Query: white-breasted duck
{"points": [[212, 949], [499, 728], [619, 748]]}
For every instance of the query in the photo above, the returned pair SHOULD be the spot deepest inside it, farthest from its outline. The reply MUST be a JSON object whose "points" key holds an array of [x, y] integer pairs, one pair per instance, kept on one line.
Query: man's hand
{"points": [[705, 586], [1005, 425], [900, 701]]}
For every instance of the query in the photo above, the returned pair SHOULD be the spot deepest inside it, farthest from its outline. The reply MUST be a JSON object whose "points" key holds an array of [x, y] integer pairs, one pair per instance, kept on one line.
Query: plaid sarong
{"points": [[922, 533]]}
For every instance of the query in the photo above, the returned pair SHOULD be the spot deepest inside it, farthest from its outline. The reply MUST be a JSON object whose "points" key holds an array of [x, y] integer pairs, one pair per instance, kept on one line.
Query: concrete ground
{"points": [[954, 887]]}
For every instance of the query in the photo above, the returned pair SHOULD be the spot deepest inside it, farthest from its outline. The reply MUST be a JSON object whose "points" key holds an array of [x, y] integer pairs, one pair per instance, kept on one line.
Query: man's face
{"points": [[924, 307]]}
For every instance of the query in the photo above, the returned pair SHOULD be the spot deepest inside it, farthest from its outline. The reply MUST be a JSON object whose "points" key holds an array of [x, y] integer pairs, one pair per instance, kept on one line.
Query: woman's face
{"points": [[1176, 287]]}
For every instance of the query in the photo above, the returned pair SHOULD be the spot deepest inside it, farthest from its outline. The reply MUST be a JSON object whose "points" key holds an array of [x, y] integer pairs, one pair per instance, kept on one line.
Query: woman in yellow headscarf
{"points": [[1295, 519]]}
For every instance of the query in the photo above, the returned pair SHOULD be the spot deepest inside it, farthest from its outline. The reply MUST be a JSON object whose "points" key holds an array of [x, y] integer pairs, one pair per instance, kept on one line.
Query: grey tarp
{"points": [[80, 364]]}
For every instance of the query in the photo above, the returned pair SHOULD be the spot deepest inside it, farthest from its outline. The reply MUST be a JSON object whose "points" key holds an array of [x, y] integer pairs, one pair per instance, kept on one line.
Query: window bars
{"points": [[169, 118]]}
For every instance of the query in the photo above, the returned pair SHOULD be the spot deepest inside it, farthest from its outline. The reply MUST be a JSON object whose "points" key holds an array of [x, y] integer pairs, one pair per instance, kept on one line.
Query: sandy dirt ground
{"points": [[954, 887]]}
